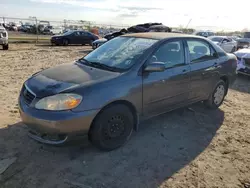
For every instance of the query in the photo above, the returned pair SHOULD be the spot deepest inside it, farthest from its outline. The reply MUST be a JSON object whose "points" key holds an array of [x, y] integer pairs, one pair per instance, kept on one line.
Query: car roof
{"points": [[160, 35], [218, 36]]}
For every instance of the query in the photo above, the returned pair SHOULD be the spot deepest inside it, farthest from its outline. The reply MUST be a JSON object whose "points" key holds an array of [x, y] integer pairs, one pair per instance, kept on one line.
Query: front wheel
{"points": [[217, 96], [112, 127], [5, 46]]}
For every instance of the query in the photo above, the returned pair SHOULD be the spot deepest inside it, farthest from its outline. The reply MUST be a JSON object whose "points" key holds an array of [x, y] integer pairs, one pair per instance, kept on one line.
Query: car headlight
{"points": [[59, 102]]}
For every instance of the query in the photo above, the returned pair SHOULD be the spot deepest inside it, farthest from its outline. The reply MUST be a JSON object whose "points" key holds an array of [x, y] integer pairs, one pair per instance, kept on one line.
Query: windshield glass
{"points": [[120, 52], [216, 39]]}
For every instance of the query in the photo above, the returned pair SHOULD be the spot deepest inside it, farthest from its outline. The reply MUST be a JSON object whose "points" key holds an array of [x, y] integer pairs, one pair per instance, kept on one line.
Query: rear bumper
{"points": [[44, 124]]}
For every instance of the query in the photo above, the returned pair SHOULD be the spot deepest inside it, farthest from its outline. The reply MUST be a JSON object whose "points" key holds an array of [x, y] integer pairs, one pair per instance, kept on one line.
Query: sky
{"points": [[200, 14]]}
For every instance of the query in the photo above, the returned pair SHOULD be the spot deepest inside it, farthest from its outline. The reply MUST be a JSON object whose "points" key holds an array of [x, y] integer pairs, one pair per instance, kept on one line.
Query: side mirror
{"points": [[155, 67]]}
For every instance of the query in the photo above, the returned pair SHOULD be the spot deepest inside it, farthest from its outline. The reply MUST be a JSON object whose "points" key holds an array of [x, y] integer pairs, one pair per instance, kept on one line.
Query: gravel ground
{"points": [[191, 147]]}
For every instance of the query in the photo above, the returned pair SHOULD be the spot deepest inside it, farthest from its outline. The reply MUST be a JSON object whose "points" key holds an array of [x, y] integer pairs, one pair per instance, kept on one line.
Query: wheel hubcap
{"points": [[219, 94], [115, 127]]}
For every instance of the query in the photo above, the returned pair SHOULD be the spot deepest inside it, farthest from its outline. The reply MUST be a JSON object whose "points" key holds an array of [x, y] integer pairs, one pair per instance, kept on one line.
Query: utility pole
{"points": [[188, 23], [33, 17]]}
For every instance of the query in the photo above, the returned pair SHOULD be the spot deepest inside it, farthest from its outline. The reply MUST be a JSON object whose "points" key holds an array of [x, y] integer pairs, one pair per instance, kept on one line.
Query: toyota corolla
{"points": [[105, 94]]}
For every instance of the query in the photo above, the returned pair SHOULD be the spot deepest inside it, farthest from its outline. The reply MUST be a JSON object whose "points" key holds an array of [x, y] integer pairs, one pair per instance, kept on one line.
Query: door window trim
{"points": [[211, 48]]}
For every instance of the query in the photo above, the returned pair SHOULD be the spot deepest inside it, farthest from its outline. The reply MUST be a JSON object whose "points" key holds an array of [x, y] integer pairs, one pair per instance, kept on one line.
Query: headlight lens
{"points": [[59, 102]]}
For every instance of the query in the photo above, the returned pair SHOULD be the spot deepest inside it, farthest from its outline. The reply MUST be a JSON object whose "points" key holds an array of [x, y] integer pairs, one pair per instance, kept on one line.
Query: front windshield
{"points": [[216, 39], [120, 52]]}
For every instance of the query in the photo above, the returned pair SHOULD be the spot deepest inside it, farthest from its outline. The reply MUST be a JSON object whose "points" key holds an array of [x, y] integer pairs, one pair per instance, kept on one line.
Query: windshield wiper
{"points": [[100, 65]]}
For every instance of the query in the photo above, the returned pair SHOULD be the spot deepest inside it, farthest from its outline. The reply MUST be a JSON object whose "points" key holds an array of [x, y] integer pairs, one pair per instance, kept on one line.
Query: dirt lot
{"points": [[186, 148]]}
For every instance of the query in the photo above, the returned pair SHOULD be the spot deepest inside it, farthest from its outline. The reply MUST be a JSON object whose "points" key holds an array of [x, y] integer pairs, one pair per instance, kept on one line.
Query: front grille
{"points": [[247, 61], [28, 96]]}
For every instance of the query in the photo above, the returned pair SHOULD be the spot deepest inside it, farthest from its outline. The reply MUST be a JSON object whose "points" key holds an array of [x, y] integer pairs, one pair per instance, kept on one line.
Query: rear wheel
{"points": [[112, 128], [5, 46], [218, 95]]}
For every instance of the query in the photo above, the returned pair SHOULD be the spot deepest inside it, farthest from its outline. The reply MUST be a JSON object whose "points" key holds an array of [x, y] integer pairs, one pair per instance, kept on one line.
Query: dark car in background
{"points": [[244, 42], [204, 33], [128, 79], [139, 28], [74, 37]]}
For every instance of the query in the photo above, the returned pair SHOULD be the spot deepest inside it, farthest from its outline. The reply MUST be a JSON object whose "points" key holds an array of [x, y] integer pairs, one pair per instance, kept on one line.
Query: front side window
{"points": [[170, 53], [200, 51], [120, 52]]}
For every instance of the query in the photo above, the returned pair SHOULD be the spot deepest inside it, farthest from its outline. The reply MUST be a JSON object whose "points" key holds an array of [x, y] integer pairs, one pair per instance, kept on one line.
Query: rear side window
{"points": [[200, 51]]}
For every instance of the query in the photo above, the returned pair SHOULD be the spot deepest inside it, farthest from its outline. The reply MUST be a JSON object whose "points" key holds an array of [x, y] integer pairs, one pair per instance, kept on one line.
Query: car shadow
{"points": [[162, 146], [242, 84]]}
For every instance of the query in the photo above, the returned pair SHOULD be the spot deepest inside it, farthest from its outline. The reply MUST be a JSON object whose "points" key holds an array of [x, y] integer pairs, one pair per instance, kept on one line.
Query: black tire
{"points": [[112, 128], [65, 42], [6, 47], [214, 103]]}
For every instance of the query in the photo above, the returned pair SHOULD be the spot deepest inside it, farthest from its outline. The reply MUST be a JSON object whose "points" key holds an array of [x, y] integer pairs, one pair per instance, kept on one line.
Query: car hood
{"points": [[56, 36], [66, 77], [243, 52], [100, 40]]}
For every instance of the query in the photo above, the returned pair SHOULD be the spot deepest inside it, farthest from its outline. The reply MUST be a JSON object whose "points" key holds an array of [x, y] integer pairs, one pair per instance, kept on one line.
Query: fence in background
{"points": [[33, 29]]}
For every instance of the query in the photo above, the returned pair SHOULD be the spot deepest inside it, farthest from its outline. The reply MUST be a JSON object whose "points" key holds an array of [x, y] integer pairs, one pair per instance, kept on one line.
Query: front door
{"points": [[227, 45], [76, 37], [204, 66], [166, 90]]}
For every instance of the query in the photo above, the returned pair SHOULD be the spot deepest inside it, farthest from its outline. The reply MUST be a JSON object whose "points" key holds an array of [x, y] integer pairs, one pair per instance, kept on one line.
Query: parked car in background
{"points": [[97, 43], [4, 38], [108, 37], [227, 44], [51, 30], [204, 33], [74, 37], [146, 27], [245, 41], [243, 56], [128, 79]]}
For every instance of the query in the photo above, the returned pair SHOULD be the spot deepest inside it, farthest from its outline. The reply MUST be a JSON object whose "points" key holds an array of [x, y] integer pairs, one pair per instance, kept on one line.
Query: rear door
{"points": [[204, 67], [84, 37], [169, 89], [75, 38]]}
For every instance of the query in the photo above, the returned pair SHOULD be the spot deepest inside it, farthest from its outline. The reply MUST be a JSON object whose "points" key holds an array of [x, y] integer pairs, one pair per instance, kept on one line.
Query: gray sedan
{"points": [[105, 94], [228, 44]]}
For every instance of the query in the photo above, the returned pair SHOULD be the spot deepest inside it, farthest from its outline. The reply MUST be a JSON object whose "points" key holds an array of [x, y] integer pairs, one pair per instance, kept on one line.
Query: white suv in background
{"points": [[4, 38]]}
